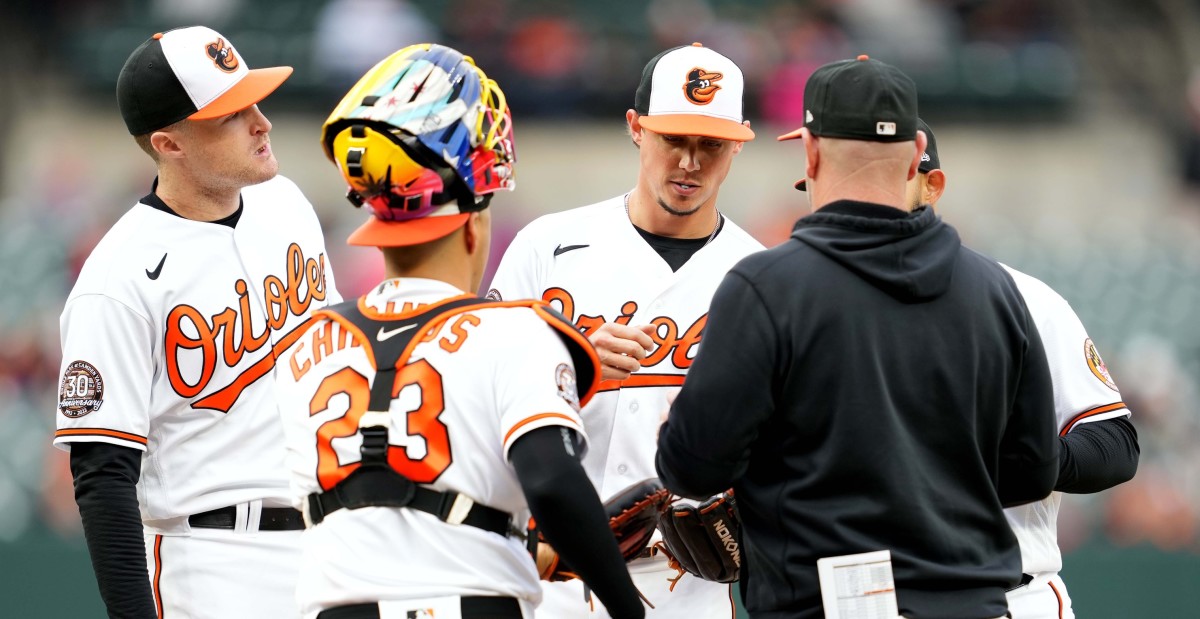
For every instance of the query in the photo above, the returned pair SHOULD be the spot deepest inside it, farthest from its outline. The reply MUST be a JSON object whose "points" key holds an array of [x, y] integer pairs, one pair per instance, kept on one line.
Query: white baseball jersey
{"points": [[592, 265], [1083, 392], [169, 341], [474, 384]]}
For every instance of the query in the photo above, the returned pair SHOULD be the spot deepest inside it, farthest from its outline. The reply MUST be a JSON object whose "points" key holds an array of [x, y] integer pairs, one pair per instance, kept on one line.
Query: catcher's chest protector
{"points": [[390, 340]]}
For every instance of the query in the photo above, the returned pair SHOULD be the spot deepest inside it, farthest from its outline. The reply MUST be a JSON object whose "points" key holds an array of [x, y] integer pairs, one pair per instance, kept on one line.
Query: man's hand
{"points": [[621, 348]]}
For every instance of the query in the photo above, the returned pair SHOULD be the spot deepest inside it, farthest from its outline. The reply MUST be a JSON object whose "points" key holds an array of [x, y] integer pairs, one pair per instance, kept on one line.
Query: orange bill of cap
{"points": [[253, 88], [378, 233], [697, 124], [791, 135]]}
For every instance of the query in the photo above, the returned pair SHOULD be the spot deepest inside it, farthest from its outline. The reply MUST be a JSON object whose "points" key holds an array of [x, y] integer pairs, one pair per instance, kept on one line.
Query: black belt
{"points": [[1025, 579], [475, 607], [271, 519], [377, 487]]}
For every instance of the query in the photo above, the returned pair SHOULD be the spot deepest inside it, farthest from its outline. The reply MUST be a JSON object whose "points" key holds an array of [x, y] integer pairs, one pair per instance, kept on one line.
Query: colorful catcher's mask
{"points": [[423, 140]]}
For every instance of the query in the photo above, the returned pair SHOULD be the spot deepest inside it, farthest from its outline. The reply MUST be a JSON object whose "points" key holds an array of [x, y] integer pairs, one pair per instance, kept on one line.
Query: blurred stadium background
{"points": [[1070, 132]]}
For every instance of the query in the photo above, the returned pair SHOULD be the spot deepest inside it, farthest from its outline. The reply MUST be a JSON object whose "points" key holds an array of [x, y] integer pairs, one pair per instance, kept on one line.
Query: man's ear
{"points": [[471, 232], [737, 146], [922, 142], [634, 126], [166, 144], [935, 185], [810, 152]]}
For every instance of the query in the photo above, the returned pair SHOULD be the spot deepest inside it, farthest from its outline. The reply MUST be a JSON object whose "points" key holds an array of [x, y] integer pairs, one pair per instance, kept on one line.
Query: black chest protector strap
{"points": [[374, 482]]}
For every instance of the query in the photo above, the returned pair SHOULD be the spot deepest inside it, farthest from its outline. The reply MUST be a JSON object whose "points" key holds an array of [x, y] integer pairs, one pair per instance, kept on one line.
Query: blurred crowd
{"points": [[582, 60]]}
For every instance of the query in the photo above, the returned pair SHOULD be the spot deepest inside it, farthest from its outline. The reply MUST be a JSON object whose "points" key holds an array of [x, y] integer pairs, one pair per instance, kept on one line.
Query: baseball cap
{"points": [[692, 90], [192, 73], [859, 99]]}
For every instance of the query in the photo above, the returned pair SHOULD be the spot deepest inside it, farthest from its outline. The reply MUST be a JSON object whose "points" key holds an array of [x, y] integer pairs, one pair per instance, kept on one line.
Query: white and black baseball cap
{"points": [[192, 73], [692, 90]]}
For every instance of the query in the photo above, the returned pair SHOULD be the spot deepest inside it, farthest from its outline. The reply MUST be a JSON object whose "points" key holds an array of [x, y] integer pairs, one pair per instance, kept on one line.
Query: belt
{"points": [[479, 607], [1025, 579], [271, 519]]}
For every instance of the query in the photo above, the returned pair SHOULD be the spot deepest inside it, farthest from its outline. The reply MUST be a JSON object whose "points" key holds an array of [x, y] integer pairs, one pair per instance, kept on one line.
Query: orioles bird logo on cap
{"points": [[701, 86], [222, 56]]}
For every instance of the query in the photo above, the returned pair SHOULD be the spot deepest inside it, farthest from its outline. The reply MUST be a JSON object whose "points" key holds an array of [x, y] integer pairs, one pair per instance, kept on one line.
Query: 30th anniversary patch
{"points": [[81, 390]]}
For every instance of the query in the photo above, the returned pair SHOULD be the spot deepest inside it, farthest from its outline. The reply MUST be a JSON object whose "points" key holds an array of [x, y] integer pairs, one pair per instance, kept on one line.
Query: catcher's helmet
{"points": [[424, 135]]}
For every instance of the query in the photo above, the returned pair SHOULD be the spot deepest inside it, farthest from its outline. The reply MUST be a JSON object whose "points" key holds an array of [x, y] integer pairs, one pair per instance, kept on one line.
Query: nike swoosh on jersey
{"points": [[384, 334], [562, 250], [158, 269]]}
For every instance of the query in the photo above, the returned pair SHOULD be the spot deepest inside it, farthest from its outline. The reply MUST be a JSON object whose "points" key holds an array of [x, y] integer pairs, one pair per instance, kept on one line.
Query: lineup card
{"points": [[858, 586]]}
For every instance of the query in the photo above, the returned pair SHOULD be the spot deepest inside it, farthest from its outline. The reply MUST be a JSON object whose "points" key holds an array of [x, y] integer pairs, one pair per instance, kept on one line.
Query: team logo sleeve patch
{"points": [[1097, 364], [81, 390], [568, 390]]}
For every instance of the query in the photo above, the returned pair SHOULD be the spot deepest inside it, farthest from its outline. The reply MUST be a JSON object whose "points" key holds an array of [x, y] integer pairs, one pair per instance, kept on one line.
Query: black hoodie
{"points": [[869, 384]]}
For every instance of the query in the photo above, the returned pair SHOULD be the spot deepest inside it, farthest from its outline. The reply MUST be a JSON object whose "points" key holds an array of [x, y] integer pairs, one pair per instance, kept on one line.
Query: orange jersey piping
{"points": [[125, 436], [532, 418], [1091, 412], [158, 540]]}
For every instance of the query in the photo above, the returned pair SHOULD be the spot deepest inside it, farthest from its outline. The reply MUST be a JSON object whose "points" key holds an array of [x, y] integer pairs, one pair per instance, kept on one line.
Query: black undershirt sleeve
{"points": [[570, 516], [1097, 456], [106, 477]]}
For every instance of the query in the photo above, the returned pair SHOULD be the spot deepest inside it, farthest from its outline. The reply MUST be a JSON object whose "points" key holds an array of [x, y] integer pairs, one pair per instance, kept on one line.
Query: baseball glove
{"points": [[632, 516], [703, 540]]}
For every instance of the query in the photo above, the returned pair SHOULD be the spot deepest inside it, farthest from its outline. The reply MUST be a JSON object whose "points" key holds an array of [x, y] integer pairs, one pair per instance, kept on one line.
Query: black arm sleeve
{"points": [[569, 513], [106, 477], [1097, 456]]}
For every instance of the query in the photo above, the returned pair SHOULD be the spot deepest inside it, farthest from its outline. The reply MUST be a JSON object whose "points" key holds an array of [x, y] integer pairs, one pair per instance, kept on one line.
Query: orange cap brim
{"points": [[695, 124], [253, 88], [791, 135], [378, 233]]}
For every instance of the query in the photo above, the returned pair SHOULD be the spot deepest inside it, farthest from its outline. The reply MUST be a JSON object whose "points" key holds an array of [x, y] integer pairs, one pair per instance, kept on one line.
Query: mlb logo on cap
{"points": [[692, 90], [192, 73]]}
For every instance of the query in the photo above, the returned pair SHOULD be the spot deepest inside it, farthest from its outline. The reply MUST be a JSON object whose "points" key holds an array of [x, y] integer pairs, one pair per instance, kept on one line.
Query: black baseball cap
{"points": [[859, 99], [929, 160], [692, 90], [192, 73]]}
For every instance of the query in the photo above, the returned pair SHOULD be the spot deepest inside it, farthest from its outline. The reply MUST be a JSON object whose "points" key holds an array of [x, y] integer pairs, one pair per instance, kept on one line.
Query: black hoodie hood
{"points": [[911, 256]]}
